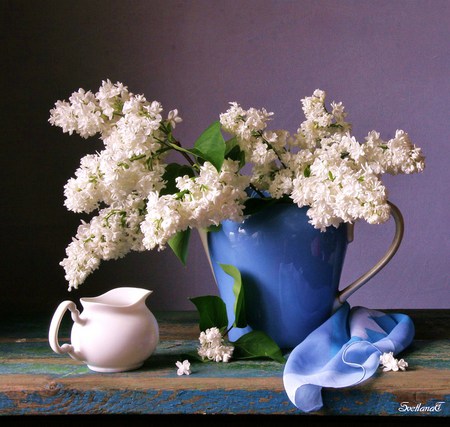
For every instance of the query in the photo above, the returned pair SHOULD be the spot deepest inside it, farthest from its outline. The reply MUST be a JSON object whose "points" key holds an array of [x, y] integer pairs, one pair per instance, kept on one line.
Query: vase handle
{"points": [[350, 289]]}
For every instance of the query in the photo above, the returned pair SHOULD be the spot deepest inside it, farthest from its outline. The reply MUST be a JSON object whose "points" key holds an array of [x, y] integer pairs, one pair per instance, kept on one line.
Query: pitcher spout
{"points": [[125, 297], [140, 295]]}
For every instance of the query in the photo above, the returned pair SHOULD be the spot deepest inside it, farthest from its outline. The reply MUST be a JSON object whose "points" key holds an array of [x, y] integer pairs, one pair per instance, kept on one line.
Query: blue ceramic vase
{"points": [[290, 270]]}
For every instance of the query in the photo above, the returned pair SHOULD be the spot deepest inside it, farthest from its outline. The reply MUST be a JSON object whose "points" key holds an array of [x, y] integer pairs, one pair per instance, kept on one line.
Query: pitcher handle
{"points": [[54, 328], [399, 229]]}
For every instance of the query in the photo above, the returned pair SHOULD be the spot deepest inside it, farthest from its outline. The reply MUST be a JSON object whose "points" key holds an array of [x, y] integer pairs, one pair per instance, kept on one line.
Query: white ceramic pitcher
{"points": [[115, 332]]}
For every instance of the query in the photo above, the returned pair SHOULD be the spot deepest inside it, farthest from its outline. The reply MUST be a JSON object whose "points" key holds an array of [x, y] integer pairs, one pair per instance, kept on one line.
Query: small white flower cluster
{"points": [[212, 346], [321, 166], [202, 201], [110, 235], [184, 368], [389, 363]]}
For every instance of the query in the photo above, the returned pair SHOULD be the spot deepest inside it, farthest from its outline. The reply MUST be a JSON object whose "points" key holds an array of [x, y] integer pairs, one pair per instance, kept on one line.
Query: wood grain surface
{"points": [[36, 381]]}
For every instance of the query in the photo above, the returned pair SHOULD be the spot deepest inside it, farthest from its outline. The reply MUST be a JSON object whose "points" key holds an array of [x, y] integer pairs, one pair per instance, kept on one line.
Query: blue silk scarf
{"points": [[343, 351]]}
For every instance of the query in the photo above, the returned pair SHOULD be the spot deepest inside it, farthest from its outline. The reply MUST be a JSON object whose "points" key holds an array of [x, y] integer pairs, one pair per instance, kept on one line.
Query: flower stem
{"points": [[177, 146], [261, 135], [228, 330]]}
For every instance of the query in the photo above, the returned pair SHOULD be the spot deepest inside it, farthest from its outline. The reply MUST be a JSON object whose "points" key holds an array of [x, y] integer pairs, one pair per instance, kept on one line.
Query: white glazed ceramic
{"points": [[115, 332]]}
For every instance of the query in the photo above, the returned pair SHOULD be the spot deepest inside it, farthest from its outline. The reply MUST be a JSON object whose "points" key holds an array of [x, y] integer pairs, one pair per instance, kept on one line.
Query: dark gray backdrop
{"points": [[389, 62]]}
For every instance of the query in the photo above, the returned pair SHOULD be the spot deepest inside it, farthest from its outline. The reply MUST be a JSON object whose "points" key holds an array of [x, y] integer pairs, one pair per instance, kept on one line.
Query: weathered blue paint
{"points": [[336, 402]]}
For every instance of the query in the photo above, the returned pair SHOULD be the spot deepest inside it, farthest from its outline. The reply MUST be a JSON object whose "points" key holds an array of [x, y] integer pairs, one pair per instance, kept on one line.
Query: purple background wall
{"points": [[388, 62]]}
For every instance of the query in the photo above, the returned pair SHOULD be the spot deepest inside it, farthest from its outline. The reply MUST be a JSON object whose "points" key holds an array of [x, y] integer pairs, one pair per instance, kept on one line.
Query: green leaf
{"points": [[180, 244], [212, 311], [214, 228], [257, 344], [237, 155], [174, 170], [210, 145], [230, 145], [240, 320], [307, 171], [234, 152]]}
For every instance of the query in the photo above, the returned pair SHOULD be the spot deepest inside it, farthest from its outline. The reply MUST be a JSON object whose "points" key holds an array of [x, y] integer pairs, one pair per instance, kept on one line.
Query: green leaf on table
{"points": [[173, 171], [210, 146], [212, 311], [238, 290], [257, 344], [180, 244]]}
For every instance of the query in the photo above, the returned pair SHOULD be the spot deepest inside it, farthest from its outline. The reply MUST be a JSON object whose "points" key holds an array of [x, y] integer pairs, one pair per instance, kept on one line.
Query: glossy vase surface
{"points": [[290, 271]]}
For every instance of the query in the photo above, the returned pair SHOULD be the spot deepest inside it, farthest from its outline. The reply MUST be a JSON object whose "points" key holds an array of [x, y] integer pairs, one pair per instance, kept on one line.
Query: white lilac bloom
{"points": [[184, 368], [403, 156], [173, 118], [389, 363], [81, 114], [84, 192], [321, 166], [212, 346], [63, 117], [281, 183], [111, 234], [248, 126], [202, 201], [402, 364], [211, 337], [164, 218], [214, 196], [124, 176], [137, 128], [319, 122], [109, 177], [111, 98]]}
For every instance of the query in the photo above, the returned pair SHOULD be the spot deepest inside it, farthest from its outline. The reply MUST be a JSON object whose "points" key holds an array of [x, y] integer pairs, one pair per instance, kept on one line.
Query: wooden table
{"points": [[36, 381]]}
